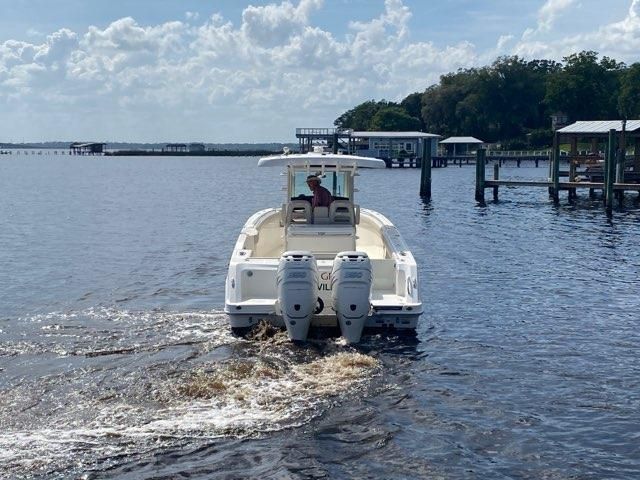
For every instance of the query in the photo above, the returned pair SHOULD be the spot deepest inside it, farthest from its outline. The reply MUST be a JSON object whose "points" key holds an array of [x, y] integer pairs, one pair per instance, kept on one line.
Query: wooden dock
{"points": [[492, 156], [613, 184]]}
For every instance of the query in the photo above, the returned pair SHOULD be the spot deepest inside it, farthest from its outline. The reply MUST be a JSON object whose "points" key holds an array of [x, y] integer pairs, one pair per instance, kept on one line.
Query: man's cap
{"points": [[314, 177]]}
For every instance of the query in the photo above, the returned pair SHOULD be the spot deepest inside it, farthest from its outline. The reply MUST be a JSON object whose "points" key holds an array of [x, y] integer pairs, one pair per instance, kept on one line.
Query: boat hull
{"points": [[393, 321], [251, 286]]}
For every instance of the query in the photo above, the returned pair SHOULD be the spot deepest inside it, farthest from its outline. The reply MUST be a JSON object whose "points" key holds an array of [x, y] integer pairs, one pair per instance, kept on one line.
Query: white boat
{"points": [[297, 267]]}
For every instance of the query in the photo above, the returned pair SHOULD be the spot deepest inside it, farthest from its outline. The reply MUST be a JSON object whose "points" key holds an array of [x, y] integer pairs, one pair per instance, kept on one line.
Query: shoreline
{"points": [[208, 153]]}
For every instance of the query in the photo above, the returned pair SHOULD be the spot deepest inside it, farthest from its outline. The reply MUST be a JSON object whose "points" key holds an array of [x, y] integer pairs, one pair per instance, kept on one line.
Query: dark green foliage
{"points": [[540, 138], [495, 102], [393, 119], [585, 89], [382, 116], [511, 99], [359, 118], [514, 144], [412, 104], [629, 98]]}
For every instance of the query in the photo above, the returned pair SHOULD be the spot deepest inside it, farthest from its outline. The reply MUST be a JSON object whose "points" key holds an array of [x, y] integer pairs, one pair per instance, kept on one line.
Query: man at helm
{"points": [[321, 196]]}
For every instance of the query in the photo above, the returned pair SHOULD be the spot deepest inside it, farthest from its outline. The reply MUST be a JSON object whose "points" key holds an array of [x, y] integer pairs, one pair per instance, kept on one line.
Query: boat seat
{"points": [[342, 211], [324, 241], [298, 211], [321, 215]]}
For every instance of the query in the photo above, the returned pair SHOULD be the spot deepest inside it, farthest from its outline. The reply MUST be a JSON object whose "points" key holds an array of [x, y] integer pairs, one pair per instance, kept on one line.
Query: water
{"points": [[116, 360]]}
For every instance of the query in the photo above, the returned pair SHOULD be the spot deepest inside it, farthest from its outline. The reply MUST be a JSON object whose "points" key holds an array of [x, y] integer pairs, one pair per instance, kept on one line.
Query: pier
{"points": [[516, 158], [89, 148], [397, 149], [614, 174]]}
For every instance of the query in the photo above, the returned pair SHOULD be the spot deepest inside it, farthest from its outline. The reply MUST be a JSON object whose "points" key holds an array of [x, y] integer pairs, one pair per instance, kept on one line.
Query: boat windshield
{"points": [[335, 182]]}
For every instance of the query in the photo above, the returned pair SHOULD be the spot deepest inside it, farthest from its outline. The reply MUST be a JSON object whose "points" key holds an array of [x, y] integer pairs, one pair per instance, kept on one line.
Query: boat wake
{"points": [[155, 380]]}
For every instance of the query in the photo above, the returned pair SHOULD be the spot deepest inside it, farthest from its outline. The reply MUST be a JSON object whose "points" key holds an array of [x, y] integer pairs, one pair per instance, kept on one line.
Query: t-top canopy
{"points": [[320, 159]]}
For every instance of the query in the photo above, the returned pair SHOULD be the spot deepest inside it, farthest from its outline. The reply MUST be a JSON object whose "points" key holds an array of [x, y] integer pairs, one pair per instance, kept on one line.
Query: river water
{"points": [[116, 360]]}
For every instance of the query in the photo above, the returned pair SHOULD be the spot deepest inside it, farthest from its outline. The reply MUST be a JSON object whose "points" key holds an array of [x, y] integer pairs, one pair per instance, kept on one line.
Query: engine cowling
{"points": [[297, 285], [351, 292]]}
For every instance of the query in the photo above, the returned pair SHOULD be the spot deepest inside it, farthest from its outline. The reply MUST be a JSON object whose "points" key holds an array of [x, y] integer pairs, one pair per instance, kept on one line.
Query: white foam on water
{"points": [[101, 328], [268, 390]]}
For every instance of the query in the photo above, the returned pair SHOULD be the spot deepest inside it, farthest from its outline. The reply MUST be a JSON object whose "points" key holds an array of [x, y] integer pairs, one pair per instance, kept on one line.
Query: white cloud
{"points": [[550, 11], [272, 25], [212, 80], [620, 40], [57, 47]]}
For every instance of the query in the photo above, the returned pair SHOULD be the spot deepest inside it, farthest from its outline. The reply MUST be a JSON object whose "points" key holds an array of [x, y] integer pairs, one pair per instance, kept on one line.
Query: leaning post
{"points": [[480, 174], [425, 171], [609, 176]]}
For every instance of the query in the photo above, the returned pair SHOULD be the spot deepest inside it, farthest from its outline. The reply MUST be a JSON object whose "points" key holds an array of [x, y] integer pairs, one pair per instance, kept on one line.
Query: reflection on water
{"points": [[115, 360]]}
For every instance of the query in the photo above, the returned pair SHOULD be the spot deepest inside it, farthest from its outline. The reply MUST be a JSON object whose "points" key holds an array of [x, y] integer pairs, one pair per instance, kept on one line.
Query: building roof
{"points": [[461, 140], [600, 126], [394, 135], [320, 159]]}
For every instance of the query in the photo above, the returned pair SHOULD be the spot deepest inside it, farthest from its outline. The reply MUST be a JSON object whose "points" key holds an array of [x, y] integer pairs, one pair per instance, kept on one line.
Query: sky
{"points": [[234, 71]]}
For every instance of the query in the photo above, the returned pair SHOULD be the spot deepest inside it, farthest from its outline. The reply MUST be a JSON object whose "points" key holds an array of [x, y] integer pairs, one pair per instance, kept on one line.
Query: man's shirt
{"points": [[321, 197]]}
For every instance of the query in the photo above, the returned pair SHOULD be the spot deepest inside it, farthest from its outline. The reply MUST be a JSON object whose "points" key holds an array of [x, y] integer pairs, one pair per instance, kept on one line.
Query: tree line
{"points": [[510, 101]]}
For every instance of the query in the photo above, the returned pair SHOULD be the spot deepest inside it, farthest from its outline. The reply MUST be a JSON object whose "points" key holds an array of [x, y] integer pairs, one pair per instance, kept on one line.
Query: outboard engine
{"points": [[351, 292], [297, 282]]}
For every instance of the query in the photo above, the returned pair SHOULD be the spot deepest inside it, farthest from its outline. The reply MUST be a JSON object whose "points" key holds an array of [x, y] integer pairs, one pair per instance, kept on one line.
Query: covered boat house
{"points": [[460, 146], [88, 148], [176, 148], [595, 134]]}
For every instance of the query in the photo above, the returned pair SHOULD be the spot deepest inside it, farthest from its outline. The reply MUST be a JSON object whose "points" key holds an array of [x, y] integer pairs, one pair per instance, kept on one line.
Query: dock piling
{"points": [[609, 174], [480, 175], [572, 167], [555, 173], [496, 176], [425, 171], [620, 164]]}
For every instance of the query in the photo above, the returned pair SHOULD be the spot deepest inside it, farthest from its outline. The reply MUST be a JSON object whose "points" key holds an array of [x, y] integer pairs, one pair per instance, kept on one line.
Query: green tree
{"points": [[629, 98], [412, 104], [440, 102], [359, 117], [515, 95], [585, 89], [500, 101], [394, 119], [509, 99]]}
